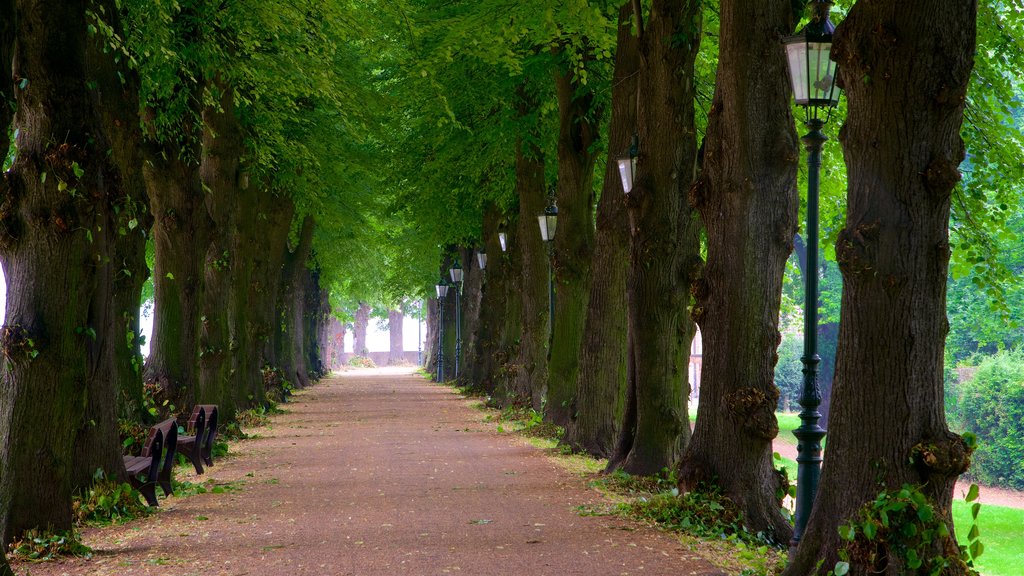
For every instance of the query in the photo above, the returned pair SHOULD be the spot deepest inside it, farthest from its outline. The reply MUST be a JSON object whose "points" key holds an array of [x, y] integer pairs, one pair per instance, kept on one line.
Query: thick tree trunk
{"points": [[223, 147], [531, 365], [665, 241], [6, 116], [53, 230], [114, 314], [289, 334], [263, 243], [180, 233], [574, 243], [906, 86], [396, 348], [316, 311], [430, 340], [747, 199], [497, 339], [359, 330], [472, 287], [596, 413]]}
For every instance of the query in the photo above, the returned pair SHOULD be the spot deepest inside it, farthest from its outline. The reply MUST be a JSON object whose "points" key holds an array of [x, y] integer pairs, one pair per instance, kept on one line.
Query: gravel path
{"points": [[382, 473]]}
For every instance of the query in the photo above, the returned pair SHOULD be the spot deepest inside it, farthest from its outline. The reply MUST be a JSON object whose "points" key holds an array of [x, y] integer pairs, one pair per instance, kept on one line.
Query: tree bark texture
{"points": [[664, 247], [359, 331], [265, 220], [531, 367], [747, 199], [6, 116], [396, 348], [430, 338], [181, 235], [54, 213], [497, 343], [288, 334], [316, 310], [223, 146], [578, 130], [906, 85], [596, 413], [114, 313], [470, 313]]}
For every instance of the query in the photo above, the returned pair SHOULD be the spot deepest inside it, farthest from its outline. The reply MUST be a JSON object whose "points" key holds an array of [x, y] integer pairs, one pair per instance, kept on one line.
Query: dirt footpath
{"points": [[380, 473]]}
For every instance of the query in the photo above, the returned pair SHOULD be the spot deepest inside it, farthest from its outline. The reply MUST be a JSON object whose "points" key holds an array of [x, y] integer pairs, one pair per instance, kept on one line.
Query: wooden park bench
{"points": [[198, 447], [149, 469]]}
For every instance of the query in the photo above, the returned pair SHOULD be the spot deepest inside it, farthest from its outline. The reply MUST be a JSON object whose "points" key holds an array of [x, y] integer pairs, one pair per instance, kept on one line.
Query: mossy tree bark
{"points": [[316, 310], [288, 330], [747, 199], [664, 240], [497, 338], [579, 128], [531, 365], [117, 371], [906, 87], [472, 288], [596, 412], [263, 242], [223, 146], [54, 228], [7, 107]]}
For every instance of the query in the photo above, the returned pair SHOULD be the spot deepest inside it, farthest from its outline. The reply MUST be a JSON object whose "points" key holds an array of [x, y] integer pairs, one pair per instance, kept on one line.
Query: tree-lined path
{"points": [[381, 472]]}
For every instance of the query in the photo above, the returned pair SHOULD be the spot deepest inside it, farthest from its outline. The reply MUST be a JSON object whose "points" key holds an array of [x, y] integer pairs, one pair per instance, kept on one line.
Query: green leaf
{"points": [[841, 569], [869, 530], [974, 533], [23, 84], [972, 493], [169, 276]]}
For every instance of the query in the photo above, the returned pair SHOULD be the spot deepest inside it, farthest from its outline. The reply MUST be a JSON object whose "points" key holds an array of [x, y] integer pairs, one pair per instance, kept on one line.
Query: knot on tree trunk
{"points": [[948, 457], [941, 177], [754, 410], [19, 346], [855, 248]]}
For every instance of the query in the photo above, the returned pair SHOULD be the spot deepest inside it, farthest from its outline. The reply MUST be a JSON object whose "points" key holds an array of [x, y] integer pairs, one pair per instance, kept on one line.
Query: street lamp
{"points": [[812, 75], [503, 240], [627, 165], [442, 291], [481, 258], [548, 221], [456, 273]]}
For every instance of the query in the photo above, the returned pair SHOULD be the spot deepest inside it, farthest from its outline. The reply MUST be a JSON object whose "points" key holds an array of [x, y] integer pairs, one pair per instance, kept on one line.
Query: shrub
{"points": [[107, 501], [991, 406], [361, 362]]}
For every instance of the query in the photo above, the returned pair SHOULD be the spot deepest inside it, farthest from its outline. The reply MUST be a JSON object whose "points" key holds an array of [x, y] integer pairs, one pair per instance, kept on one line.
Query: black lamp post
{"points": [[442, 291], [548, 221], [812, 76], [456, 273]]}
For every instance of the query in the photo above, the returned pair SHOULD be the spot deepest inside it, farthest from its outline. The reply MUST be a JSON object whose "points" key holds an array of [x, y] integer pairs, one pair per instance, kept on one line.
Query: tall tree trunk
{"points": [[263, 243], [747, 200], [496, 347], [665, 240], [906, 86], [472, 287], [181, 235], [316, 309], [288, 335], [596, 413], [6, 115], [223, 147], [359, 330], [53, 216], [578, 130], [396, 349], [531, 365], [114, 314], [430, 340]]}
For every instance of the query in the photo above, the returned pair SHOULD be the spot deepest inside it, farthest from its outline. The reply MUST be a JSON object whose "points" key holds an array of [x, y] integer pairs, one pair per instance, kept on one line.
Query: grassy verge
{"points": [[1000, 533]]}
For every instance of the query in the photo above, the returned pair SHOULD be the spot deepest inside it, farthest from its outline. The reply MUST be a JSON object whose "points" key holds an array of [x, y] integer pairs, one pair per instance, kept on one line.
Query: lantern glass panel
{"points": [[481, 258], [503, 240], [545, 234], [627, 168], [442, 290], [456, 273]]}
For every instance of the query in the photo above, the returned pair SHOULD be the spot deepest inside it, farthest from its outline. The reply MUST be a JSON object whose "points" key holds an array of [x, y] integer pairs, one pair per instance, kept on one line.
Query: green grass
{"points": [[1000, 533]]}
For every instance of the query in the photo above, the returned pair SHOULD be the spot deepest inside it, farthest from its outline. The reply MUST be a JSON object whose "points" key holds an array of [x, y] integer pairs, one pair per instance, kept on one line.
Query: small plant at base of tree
{"points": [[902, 526], [361, 362], [108, 502], [38, 546]]}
